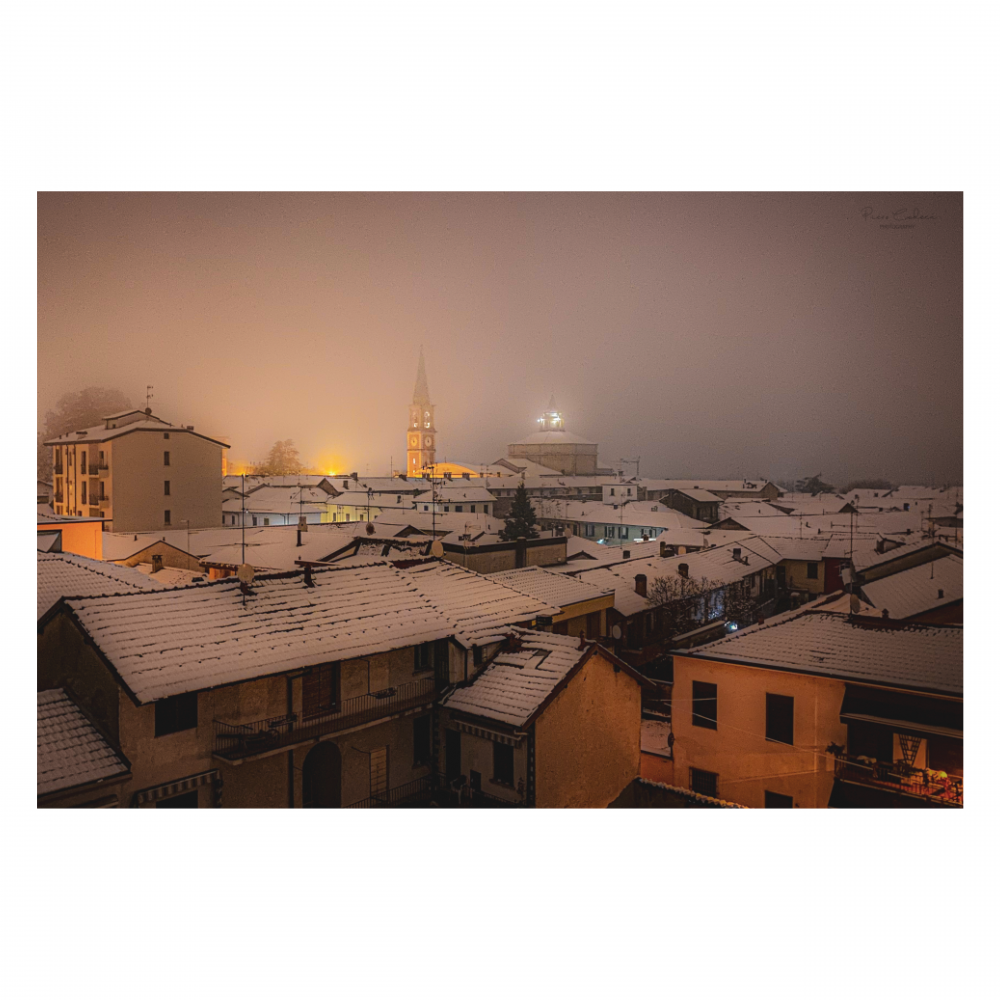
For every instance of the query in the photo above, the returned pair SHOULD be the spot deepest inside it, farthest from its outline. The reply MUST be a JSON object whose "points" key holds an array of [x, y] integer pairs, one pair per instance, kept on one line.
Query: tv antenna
{"points": [[149, 395], [631, 461]]}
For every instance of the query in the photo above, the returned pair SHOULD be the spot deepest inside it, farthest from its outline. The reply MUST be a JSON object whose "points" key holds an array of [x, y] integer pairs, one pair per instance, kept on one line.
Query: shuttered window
{"points": [[379, 771], [321, 690]]}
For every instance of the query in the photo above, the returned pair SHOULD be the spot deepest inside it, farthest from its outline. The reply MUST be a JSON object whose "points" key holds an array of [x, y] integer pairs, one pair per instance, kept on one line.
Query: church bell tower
{"points": [[420, 433]]}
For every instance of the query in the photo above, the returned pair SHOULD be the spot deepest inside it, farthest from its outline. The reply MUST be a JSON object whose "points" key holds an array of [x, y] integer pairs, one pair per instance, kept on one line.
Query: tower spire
{"points": [[421, 394]]}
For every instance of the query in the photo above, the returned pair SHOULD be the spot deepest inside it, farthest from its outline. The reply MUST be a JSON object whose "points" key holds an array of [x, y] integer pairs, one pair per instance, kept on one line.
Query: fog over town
{"points": [[706, 335]]}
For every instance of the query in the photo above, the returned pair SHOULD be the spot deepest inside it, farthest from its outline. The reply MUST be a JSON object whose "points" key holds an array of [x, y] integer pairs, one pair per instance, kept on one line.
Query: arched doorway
{"points": [[321, 777]]}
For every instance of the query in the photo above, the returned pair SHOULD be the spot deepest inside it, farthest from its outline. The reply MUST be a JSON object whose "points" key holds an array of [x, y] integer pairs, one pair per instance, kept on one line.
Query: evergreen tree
{"points": [[522, 522]]}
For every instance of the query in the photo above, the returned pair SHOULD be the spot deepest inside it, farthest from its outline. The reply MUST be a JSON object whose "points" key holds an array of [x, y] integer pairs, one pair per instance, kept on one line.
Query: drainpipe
{"points": [[291, 753]]}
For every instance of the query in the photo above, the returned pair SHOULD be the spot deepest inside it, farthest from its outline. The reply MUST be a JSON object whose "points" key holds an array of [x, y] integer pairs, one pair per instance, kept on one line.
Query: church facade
{"points": [[555, 448], [420, 434]]}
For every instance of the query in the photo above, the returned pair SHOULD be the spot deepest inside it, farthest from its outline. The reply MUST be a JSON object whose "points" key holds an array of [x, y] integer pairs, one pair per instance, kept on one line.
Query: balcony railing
{"points": [[233, 741], [102, 469], [58, 497], [92, 469], [104, 501], [899, 777], [402, 795]]}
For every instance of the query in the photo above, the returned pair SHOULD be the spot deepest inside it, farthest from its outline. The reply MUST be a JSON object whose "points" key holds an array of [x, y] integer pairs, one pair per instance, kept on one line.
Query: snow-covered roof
{"points": [[868, 558], [48, 539], [517, 684], [638, 514], [919, 657], [554, 588], [71, 752], [63, 575], [194, 638], [700, 495], [102, 433], [726, 485], [172, 641], [480, 608], [456, 494], [917, 590]]}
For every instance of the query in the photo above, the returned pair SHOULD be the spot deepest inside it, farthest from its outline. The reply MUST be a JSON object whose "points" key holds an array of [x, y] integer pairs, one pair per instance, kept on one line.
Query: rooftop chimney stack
{"points": [[737, 554], [640, 584], [682, 569]]}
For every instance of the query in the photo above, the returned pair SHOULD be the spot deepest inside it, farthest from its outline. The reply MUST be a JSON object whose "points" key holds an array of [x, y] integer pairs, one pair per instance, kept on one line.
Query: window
{"points": [[423, 657], [812, 571], [780, 718], [503, 764], [705, 783], [166, 437], [173, 715], [421, 740], [267, 521], [254, 517], [83, 492], [472, 509], [458, 508], [612, 491], [705, 705], [166, 458], [166, 517], [83, 460], [426, 507], [321, 689], [774, 800], [166, 487], [189, 800]]}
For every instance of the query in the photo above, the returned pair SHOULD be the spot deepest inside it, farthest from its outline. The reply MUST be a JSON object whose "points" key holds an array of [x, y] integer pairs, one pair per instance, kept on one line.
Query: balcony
{"points": [[58, 497], [104, 501], [413, 793], [92, 469], [898, 777], [235, 742], [102, 469]]}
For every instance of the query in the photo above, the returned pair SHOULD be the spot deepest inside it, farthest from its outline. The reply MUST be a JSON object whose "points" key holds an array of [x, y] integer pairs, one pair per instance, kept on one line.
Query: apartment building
{"points": [[315, 688], [139, 473], [815, 709]]}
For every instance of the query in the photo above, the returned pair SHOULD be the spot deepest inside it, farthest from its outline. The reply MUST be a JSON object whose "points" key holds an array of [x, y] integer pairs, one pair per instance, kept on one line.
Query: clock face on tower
{"points": [[427, 442], [414, 440]]}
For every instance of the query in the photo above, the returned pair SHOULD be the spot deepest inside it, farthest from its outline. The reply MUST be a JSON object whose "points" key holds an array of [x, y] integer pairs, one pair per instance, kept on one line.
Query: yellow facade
{"points": [[587, 741], [737, 750]]}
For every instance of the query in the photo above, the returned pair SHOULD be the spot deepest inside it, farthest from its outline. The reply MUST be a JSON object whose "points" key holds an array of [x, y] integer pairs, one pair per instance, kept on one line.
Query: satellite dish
{"points": [[437, 549], [245, 573], [617, 631], [370, 528]]}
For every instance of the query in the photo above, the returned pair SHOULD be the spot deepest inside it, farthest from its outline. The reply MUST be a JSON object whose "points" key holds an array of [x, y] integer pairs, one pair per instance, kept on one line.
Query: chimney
{"points": [[354, 476], [308, 575], [157, 563], [583, 642], [885, 612], [683, 570], [760, 620], [626, 553], [737, 553], [940, 594], [663, 550], [466, 475], [640, 584]]}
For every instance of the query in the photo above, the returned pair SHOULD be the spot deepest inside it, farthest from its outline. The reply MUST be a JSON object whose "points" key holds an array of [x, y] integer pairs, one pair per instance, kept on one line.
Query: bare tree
{"points": [[76, 411], [684, 602], [282, 460]]}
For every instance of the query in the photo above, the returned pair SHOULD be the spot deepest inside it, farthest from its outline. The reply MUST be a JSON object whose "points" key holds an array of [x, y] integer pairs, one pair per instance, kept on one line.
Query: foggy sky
{"points": [[710, 335]]}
